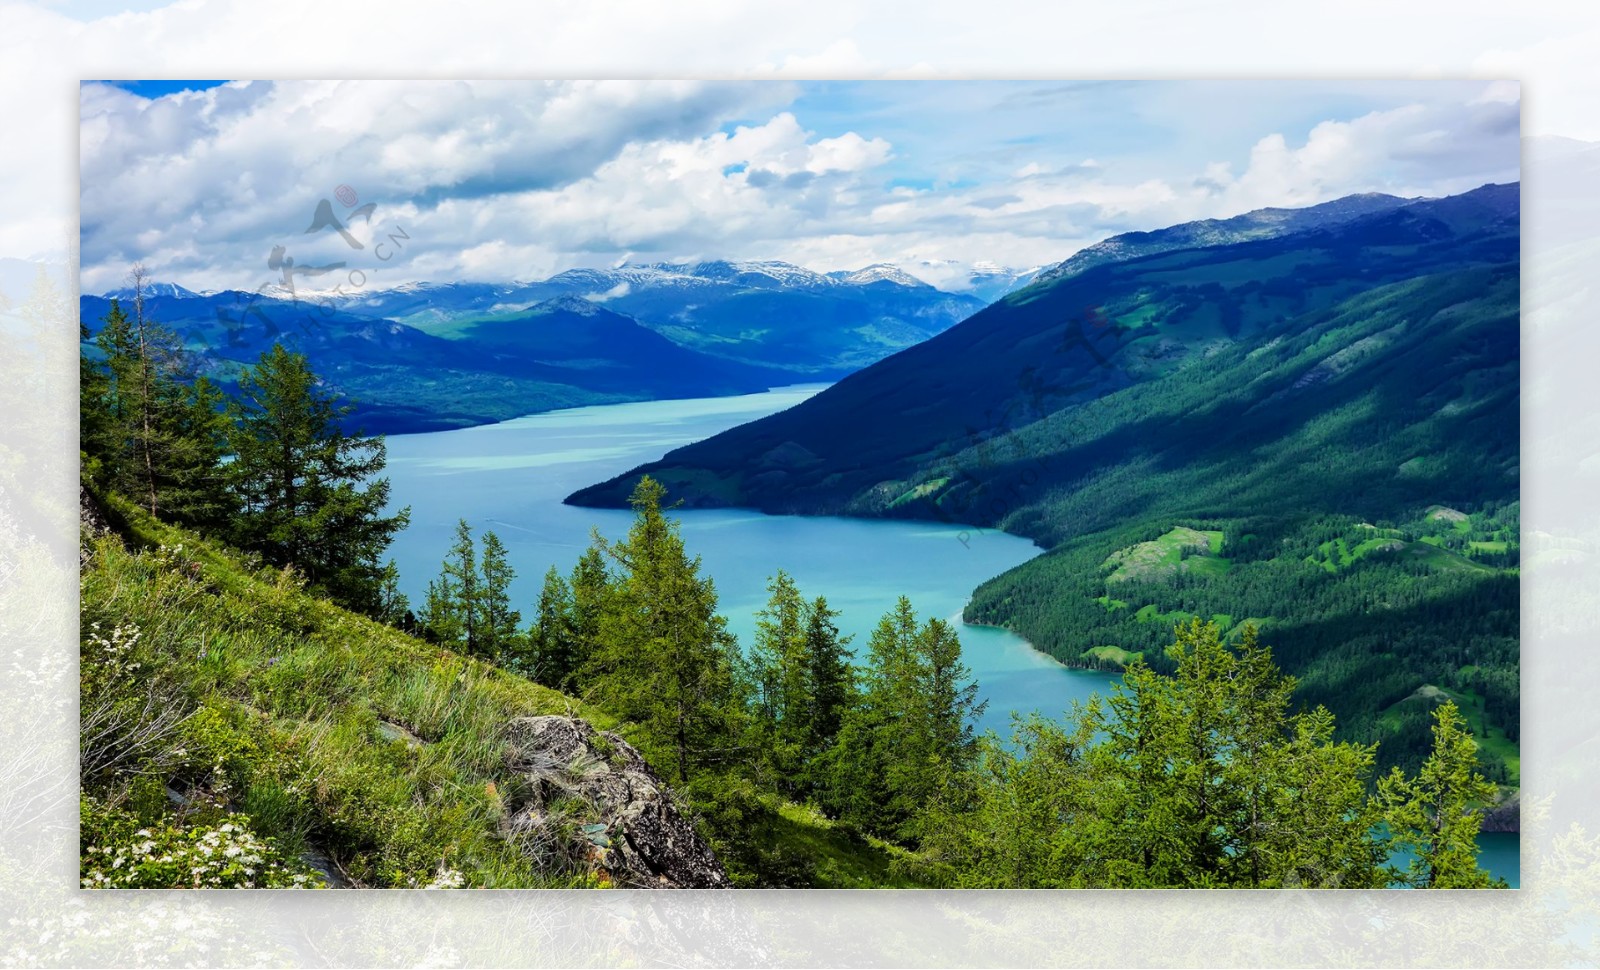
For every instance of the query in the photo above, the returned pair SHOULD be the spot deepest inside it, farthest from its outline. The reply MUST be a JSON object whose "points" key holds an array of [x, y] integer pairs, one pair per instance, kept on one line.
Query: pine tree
{"points": [[1433, 816], [394, 608], [1202, 779], [454, 608], [440, 615], [910, 738], [949, 704], [460, 570], [554, 658], [781, 675], [591, 585], [832, 676], [95, 432], [149, 427], [498, 636], [662, 655], [311, 495]]}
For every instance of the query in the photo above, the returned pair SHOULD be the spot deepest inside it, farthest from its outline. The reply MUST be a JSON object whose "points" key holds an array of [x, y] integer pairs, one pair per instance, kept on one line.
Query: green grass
{"points": [[291, 691], [1111, 656], [1439, 558], [921, 491], [1337, 554], [1179, 549], [336, 732]]}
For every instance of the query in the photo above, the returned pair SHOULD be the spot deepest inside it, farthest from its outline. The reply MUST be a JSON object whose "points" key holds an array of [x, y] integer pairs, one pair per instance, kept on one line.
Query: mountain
{"points": [[1258, 428], [561, 353], [766, 313], [1258, 224], [879, 273], [153, 290], [600, 349], [1076, 337], [986, 280]]}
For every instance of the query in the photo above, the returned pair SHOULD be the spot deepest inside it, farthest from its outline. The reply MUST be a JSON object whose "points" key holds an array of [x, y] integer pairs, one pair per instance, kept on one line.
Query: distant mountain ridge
{"points": [[1075, 336], [1268, 223], [766, 313]]}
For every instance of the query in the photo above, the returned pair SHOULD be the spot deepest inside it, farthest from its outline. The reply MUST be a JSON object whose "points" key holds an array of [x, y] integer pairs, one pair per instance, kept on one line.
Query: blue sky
{"points": [[151, 90], [517, 180]]}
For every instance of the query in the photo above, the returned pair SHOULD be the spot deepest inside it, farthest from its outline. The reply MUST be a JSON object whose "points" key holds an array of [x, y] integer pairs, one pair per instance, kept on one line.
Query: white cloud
{"points": [[515, 180], [615, 293]]}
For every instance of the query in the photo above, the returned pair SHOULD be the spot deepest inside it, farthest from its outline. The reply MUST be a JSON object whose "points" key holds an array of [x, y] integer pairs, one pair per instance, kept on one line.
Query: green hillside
{"points": [[219, 693]]}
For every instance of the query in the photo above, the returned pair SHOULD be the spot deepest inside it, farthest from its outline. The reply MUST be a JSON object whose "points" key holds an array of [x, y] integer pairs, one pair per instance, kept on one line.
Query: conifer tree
{"points": [[310, 493], [1434, 815], [910, 738], [781, 669], [591, 584], [498, 635], [149, 427], [554, 658], [832, 676], [662, 657]]}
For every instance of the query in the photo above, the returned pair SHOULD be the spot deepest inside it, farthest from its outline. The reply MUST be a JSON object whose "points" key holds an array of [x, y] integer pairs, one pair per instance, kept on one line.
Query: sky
{"points": [[443, 181]]}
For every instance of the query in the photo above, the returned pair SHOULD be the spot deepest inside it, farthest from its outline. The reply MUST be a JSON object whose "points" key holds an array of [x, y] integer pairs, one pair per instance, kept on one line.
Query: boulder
{"points": [[588, 796]]}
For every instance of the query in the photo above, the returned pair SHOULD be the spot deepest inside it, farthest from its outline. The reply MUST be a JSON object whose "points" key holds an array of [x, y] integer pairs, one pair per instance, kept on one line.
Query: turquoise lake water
{"points": [[511, 477]]}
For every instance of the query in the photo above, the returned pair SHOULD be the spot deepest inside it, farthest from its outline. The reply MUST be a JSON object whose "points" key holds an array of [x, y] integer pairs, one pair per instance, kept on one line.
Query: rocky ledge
{"points": [[590, 796]]}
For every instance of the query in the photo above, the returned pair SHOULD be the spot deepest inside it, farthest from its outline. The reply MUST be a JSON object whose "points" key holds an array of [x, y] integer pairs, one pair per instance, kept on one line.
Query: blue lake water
{"points": [[511, 477]]}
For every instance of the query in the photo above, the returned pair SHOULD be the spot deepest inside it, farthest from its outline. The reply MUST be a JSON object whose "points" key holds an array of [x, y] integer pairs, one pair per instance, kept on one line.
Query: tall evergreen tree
{"points": [[1433, 816], [591, 584], [440, 615], [460, 572], [781, 674], [1203, 779], [662, 655], [554, 655], [149, 427], [498, 635], [311, 495], [832, 675], [911, 738]]}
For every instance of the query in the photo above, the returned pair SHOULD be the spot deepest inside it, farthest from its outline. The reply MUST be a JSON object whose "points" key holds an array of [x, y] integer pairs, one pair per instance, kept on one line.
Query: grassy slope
{"points": [[308, 708]]}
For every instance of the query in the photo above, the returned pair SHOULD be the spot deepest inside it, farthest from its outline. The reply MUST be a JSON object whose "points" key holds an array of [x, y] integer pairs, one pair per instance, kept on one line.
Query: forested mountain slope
{"points": [[1316, 430]]}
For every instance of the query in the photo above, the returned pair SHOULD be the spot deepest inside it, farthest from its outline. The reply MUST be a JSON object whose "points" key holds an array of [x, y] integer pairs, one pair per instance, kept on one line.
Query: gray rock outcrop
{"points": [[589, 797]]}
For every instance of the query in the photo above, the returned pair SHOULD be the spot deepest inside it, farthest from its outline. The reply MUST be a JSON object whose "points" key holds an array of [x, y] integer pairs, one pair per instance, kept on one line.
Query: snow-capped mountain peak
{"points": [[878, 273], [153, 290]]}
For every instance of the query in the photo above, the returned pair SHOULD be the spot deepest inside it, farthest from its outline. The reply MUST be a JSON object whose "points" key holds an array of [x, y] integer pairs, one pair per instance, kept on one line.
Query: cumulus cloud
{"points": [[517, 180]]}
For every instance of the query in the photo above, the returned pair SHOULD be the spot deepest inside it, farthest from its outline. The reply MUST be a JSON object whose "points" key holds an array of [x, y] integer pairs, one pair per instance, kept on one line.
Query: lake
{"points": [[510, 478]]}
